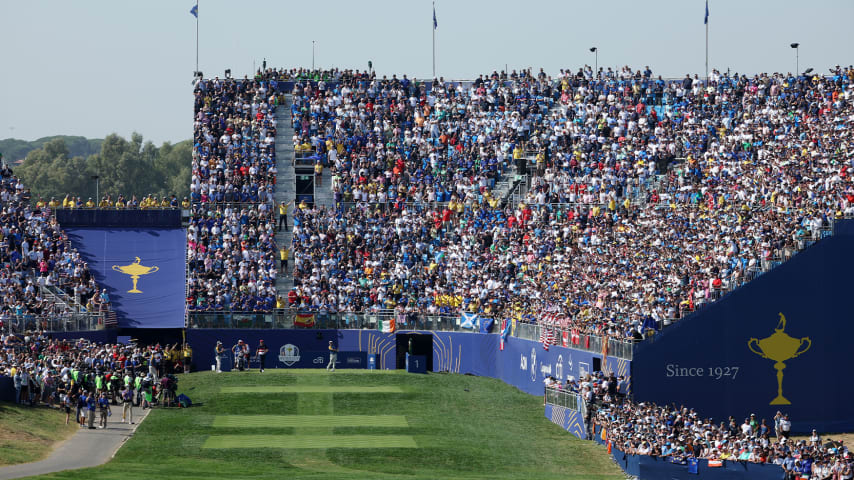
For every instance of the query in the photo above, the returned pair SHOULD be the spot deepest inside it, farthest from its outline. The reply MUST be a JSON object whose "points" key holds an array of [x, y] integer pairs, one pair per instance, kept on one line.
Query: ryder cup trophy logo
{"points": [[135, 270], [289, 354], [779, 347]]}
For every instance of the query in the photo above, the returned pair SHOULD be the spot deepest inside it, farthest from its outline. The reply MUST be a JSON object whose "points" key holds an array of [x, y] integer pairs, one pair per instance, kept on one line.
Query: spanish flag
{"points": [[304, 320]]}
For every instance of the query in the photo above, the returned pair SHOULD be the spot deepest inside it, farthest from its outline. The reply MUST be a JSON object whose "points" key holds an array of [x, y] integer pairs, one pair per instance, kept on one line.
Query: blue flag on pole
{"points": [[505, 332], [706, 20], [436, 24], [195, 10]]}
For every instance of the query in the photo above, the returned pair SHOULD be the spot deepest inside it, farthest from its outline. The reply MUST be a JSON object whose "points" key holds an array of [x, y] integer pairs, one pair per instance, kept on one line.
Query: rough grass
{"points": [[28, 434], [463, 427]]}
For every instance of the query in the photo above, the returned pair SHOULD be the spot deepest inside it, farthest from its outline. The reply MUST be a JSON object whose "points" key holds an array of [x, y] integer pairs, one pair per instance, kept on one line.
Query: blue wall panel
{"points": [[311, 345], [119, 218], [525, 364], [372, 342], [709, 362], [114, 254], [653, 468], [568, 419]]}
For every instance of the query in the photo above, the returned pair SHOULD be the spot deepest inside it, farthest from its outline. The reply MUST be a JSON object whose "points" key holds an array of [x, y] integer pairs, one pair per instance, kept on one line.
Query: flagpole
{"points": [[197, 35], [707, 43], [433, 24]]}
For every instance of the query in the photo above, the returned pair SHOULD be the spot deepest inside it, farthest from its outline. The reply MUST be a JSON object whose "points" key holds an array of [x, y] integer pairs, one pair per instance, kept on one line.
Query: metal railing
{"points": [[306, 157], [114, 207], [288, 319], [60, 322], [236, 205], [587, 342], [563, 398]]}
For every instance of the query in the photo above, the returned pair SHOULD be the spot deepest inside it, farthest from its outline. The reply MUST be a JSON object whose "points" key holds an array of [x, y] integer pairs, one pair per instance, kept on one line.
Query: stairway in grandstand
{"points": [[323, 193], [285, 187]]}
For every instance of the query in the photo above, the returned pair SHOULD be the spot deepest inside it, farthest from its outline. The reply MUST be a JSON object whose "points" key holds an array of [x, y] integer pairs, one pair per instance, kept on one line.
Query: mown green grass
{"points": [[303, 421], [462, 426], [27, 434]]}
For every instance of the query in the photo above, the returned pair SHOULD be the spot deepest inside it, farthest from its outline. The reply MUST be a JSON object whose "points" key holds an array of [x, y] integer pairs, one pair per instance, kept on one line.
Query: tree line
{"points": [[124, 167]]}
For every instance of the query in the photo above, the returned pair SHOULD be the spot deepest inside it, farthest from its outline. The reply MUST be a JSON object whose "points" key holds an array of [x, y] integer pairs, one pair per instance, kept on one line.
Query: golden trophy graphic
{"points": [[779, 347], [135, 270]]}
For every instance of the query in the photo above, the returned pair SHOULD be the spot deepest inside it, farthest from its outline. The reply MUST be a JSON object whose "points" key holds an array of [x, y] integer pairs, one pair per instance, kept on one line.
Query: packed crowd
{"points": [[149, 202], [679, 432], [636, 210], [231, 254], [231, 247], [234, 151], [81, 376], [35, 252], [387, 140]]}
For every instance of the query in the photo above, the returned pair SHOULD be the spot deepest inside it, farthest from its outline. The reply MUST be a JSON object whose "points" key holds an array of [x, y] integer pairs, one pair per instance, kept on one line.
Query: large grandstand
{"points": [[597, 227]]}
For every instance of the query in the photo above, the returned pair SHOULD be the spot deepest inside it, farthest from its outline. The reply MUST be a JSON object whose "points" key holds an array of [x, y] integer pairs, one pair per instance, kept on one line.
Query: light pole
{"points": [[97, 189], [795, 46], [312, 55], [595, 52]]}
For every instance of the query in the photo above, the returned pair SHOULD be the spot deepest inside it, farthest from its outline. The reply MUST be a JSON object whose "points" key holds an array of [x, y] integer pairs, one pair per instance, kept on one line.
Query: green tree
{"points": [[126, 167]]}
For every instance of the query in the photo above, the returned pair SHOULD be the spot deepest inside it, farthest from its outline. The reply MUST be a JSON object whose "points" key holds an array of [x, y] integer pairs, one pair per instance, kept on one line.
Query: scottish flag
{"points": [[195, 10], [705, 20], [436, 24], [469, 320]]}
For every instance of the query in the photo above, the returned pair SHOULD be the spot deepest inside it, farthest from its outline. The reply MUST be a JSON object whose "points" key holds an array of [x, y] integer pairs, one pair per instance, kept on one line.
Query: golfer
{"points": [[218, 353], [261, 353], [333, 357]]}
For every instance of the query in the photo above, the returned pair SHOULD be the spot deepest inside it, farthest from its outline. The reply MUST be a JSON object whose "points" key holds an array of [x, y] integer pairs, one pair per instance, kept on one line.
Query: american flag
{"points": [[547, 336]]}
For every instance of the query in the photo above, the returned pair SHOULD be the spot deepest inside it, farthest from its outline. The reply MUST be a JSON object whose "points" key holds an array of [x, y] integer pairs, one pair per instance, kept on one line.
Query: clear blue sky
{"points": [[95, 67]]}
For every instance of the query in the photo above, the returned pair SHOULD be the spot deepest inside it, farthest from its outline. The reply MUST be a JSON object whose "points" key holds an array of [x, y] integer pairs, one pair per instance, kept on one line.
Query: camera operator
{"points": [[168, 384], [104, 406]]}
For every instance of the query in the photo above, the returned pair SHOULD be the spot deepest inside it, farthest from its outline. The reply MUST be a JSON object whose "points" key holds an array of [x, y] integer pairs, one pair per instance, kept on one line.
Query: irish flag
{"points": [[386, 325]]}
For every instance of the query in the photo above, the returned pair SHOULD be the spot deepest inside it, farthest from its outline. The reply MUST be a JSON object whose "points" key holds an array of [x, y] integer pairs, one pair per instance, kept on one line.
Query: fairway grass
{"points": [[311, 389], [310, 421], [309, 441], [312, 424]]}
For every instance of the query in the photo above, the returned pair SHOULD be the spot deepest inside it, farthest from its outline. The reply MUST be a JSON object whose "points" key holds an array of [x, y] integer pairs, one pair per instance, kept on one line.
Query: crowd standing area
{"points": [[680, 433], [35, 253], [649, 197], [231, 237], [83, 377]]}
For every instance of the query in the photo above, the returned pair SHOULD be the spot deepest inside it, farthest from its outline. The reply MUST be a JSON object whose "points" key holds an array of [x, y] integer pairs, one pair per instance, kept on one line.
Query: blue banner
{"points": [[100, 218], [763, 347], [143, 271]]}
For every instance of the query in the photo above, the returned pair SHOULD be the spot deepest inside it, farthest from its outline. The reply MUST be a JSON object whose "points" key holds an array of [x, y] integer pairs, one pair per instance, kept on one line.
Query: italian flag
{"points": [[386, 325]]}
